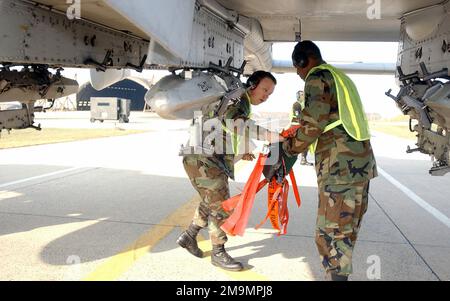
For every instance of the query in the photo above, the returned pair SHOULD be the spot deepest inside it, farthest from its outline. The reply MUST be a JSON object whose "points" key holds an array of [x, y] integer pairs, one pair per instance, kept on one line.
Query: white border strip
{"points": [[39, 177], [433, 211]]}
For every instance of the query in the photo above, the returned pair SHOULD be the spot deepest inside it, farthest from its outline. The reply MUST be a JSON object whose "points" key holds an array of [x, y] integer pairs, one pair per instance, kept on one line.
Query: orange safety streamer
{"points": [[284, 212], [290, 132], [275, 191], [277, 205], [295, 188], [241, 204]]}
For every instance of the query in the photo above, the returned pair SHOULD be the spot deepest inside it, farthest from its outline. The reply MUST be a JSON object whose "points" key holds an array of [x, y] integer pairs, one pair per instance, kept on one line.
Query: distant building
{"points": [[124, 89]]}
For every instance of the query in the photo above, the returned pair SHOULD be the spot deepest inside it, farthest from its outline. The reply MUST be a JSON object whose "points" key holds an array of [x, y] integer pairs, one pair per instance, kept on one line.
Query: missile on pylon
{"points": [[179, 96]]}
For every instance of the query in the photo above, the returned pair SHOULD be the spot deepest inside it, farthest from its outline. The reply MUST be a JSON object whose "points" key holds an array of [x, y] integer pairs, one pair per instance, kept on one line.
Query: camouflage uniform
{"points": [[344, 167], [209, 176], [211, 182]]}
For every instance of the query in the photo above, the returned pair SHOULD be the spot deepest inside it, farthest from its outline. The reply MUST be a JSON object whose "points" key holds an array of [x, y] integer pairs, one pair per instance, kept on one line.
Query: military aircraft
{"points": [[209, 44]]}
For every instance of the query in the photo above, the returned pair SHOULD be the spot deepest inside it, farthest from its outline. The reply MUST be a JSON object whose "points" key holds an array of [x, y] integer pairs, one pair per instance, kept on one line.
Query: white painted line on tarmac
{"points": [[433, 211], [39, 177]]}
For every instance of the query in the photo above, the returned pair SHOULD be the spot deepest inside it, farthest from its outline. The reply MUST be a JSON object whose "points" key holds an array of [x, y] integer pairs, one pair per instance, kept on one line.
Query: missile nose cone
{"points": [[174, 97], [159, 103]]}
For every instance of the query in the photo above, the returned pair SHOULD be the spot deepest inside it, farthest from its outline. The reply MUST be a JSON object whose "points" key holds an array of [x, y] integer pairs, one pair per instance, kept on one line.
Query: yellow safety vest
{"points": [[235, 138], [351, 111]]}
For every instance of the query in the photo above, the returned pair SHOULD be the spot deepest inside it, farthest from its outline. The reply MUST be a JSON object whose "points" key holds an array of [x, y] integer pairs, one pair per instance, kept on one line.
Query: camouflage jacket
{"points": [[339, 158], [238, 110]]}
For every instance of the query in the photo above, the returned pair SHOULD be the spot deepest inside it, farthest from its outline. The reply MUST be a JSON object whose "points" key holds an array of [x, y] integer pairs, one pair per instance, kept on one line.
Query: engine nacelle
{"points": [[177, 97]]}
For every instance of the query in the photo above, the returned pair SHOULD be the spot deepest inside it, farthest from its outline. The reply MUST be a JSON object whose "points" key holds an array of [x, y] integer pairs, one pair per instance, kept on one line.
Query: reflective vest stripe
{"points": [[312, 147], [332, 126], [235, 138], [348, 102]]}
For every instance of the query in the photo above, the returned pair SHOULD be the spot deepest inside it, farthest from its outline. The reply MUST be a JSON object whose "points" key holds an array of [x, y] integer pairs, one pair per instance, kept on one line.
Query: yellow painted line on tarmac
{"points": [[114, 267], [118, 264]]}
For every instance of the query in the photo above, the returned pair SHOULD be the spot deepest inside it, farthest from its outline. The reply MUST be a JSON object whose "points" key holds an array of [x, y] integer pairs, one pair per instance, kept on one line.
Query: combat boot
{"points": [[220, 258], [188, 240], [334, 276]]}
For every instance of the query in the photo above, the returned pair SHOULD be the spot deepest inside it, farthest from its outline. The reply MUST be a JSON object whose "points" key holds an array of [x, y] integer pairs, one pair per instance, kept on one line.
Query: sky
{"points": [[371, 88]]}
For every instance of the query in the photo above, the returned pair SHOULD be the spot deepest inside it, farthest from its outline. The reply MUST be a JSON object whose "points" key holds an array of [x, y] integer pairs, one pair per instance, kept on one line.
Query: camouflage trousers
{"points": [[339, 217], [212, 185]]}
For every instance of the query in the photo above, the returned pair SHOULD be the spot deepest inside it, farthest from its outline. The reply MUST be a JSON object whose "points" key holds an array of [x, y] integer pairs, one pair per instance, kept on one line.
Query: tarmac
{"points": [[112, 209]]}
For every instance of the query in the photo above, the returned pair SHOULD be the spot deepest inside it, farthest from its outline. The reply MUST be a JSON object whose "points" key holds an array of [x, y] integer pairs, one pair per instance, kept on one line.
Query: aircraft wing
{"points": [[328, 20], [205, 40], [321, 20], [173, 37]]}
